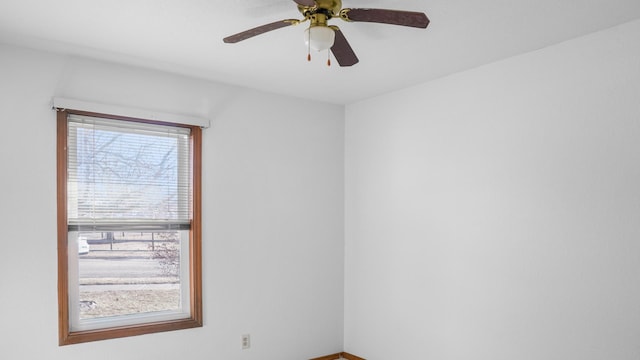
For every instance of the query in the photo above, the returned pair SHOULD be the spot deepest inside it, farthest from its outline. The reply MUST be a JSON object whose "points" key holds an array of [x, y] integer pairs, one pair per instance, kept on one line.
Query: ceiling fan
{"points": [[322, 36]]}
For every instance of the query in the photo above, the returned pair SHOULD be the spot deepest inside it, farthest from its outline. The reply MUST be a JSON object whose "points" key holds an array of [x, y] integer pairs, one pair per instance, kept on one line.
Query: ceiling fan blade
{"points": [[260, 30], [309, 3], [342, 50], [384, 16]]}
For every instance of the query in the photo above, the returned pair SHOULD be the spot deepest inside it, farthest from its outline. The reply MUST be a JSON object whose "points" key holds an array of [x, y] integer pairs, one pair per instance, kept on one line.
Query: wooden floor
{"points": [[342, 355]]}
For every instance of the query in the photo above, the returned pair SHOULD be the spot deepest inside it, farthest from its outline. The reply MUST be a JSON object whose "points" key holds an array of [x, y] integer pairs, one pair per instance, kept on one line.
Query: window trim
{"points": [[66, 337]]}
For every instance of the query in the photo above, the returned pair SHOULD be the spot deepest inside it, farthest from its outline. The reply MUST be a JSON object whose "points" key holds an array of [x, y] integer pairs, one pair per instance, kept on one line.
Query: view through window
{"points": [[129, 273]]}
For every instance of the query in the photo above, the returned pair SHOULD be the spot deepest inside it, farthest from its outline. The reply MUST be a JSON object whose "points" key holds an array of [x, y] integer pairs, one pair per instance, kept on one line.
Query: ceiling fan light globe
{"points": [[321, 37]]}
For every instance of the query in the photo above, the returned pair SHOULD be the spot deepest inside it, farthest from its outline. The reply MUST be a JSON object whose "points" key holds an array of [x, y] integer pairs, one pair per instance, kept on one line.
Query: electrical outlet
{"points": [[246, 341]]}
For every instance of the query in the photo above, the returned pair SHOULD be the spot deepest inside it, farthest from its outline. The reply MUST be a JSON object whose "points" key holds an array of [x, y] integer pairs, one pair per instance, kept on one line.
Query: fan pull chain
{"points": [[328, 58], [309, 46]]}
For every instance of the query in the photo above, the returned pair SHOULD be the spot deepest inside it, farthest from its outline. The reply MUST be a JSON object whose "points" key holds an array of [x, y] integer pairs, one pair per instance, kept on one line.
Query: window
{"points": [[129, 227]]}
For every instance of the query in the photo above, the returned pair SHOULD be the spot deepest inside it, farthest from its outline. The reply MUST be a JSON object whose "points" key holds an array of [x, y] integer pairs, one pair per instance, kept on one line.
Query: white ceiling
{"points": [[185, 36]]}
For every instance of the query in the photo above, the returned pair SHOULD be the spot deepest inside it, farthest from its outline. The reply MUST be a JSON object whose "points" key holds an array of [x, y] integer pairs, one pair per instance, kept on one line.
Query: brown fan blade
{"points": [[342, 50], [260, 30], [309, 3], [394, 17]]}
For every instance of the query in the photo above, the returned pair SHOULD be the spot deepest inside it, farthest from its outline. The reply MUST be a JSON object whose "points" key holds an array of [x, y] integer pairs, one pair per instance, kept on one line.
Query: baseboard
{"points": [[328, 357], [342, 355]]}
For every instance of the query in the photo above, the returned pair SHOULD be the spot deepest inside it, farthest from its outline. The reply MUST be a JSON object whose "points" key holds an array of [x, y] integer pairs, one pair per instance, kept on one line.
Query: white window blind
{"points": [[126, 175]]}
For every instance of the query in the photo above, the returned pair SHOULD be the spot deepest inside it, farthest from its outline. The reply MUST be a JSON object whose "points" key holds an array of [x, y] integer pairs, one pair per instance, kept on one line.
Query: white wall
{"points": [[273, 219], [495, 214]]}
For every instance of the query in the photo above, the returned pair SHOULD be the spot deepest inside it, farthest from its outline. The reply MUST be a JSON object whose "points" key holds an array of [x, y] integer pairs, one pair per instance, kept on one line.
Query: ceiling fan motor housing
{"points": [[329, 8]]}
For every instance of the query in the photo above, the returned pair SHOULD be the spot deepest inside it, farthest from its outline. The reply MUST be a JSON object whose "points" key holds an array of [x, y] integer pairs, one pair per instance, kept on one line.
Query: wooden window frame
{"points": [[67, 337]]}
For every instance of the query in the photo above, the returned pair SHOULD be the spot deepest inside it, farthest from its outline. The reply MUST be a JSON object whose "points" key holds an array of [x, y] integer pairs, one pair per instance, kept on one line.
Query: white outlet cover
{"points": [[246, 341]]}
